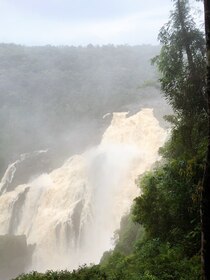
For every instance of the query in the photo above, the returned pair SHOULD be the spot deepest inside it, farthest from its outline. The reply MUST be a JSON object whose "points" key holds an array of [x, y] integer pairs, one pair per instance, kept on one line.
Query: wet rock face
{"points": [[24, 169], [15, 255], [32, 166]]}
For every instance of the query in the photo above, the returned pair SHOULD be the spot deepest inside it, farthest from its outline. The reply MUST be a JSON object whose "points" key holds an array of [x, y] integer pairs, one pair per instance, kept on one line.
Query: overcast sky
{"points": [[80, 22]]}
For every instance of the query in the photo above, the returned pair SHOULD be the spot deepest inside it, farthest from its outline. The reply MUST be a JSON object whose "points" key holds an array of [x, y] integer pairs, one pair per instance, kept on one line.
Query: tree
{"points": [[182, 65], [205, 202], [186, 85], [168, 207], [181, 61]]}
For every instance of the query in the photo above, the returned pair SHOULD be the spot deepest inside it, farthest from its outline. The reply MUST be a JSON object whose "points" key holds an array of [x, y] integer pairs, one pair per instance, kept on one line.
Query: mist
{"points": [[62, 93], [61, 141]]}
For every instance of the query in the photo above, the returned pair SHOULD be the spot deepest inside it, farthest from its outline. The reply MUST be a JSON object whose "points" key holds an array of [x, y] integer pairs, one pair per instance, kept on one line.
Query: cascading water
{"points": [[7, 180], [72, 212]]}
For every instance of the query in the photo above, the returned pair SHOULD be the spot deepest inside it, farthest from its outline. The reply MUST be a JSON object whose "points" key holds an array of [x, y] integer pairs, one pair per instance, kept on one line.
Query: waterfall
{"points": [[7, 179], [72, 212]]}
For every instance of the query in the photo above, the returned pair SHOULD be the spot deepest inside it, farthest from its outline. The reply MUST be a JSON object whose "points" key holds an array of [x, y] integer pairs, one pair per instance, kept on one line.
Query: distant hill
{"points": [[55, 97]]}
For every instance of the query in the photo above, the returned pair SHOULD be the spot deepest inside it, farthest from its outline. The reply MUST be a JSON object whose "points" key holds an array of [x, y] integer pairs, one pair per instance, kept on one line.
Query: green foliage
{"points": [[182, 62], [169, 205], [182, 66], [162, 261], [153, 259], [188, 138], [83, 273], [126, 237]]}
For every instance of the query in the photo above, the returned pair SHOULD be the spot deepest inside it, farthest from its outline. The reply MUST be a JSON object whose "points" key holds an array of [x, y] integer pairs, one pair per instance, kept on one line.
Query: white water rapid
{"points": [[72, 212]]}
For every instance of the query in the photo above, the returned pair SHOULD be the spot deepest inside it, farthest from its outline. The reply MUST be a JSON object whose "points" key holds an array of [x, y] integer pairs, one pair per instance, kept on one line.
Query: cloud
{"points": [[127, 30], [82, 22], [82, 9]]}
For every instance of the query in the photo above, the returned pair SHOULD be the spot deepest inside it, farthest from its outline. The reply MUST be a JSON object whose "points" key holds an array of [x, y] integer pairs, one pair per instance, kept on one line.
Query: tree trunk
{"points": [[205, 200], [186, 42]]}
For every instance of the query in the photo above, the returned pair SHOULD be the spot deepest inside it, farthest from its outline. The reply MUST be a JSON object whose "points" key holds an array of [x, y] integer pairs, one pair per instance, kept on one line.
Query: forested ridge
{"points": [[63, 92], [160, 239]]}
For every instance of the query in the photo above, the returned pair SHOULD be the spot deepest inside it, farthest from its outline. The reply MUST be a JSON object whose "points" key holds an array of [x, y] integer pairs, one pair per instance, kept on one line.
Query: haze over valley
{"points": [[69, 117]]}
